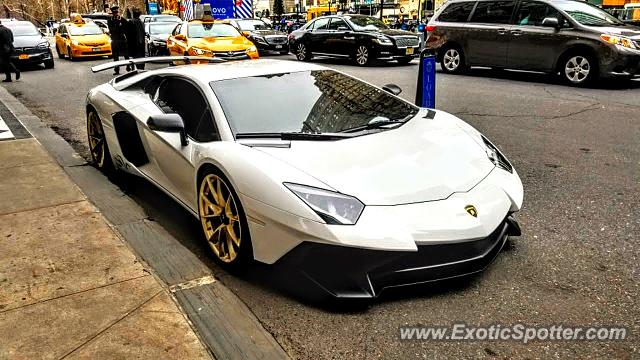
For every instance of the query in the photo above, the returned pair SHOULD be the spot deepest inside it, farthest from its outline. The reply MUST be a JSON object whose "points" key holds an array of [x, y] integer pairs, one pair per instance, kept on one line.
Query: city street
{"points": [[577, 262]]}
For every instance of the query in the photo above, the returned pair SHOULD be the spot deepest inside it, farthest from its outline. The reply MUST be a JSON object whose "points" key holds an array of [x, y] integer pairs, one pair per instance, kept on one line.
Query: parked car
{"points": [[261, 35], [30, 44], [361, 38], [573, 38], [157, 34], [206, 38]]}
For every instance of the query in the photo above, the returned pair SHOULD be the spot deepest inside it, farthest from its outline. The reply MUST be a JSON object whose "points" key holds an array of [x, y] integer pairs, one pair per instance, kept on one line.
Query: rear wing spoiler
{"points": [[156, 60]]}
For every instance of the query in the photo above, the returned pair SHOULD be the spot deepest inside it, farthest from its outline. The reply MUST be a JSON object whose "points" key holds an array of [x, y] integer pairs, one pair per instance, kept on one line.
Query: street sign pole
{"points": [[426, 87]]}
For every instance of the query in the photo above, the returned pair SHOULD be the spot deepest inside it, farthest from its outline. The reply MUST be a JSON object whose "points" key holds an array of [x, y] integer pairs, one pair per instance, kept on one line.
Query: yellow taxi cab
{"points": [[210, 39], [78, 38]]}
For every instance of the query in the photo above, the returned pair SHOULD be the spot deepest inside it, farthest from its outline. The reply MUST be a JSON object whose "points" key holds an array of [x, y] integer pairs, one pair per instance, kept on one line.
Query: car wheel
{"points": [[404, 60], [363, 55], [48, 64], [70, 54], [223, 221], [302, 53], [98, 143], [452, 61], [60, 54], [578, 69]]}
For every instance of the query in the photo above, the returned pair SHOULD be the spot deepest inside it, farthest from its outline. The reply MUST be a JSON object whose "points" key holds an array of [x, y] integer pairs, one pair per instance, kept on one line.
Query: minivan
{"points": [[572, 38]]}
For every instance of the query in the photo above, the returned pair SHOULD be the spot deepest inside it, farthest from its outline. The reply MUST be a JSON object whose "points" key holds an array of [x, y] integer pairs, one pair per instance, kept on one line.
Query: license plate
{"points": [[409, 51], [96, 49], [23, 56], [278, 46]]}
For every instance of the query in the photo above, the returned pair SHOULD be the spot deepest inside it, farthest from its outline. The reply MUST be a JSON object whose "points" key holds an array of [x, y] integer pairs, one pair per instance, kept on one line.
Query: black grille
{"points": [[276, 39], [29, 50], [407, 41]]}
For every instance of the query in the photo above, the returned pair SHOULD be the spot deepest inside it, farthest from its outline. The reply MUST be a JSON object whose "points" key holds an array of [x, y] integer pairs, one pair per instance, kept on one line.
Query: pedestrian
{"points": [[49, 24], [136, 37], [117, 30], [6, 49]]}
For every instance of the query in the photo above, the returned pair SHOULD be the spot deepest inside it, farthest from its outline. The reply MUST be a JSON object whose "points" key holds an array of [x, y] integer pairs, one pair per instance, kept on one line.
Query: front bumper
{"points": [[276, 47], [394, 53], [620, 62], [79, 51], [344, 272], [34, 56]]}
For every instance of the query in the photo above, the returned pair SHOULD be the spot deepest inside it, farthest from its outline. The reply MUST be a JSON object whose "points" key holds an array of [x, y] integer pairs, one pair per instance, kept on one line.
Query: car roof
{"points": [[17, 23], [240, 69]]}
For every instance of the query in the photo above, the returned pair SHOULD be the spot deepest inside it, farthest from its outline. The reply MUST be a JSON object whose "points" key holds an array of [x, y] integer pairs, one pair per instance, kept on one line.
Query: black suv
{"points": [[261, 35], [30, 44], [573, 38], [362, 38]]}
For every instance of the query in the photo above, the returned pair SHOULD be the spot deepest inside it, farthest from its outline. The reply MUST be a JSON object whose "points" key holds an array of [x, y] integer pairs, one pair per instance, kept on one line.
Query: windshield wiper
{"points": [[294, 136], [379, 124]]}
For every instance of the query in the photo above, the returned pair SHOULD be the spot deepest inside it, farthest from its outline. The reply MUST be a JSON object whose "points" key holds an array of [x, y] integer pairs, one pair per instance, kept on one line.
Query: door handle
{"points": [[516, 32], [502, 31]]}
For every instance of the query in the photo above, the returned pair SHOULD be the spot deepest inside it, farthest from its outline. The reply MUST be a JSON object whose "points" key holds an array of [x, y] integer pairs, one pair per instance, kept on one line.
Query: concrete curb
{"points": [[219, 318]]}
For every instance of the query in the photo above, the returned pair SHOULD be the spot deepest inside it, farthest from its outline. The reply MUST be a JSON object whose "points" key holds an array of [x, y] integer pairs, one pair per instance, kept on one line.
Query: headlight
{"points": [[496, 156], [74, 42], [334, 208], [252, 49], [260, 39], [44, 45], [383, 40], [199, 51], [618, 40]]}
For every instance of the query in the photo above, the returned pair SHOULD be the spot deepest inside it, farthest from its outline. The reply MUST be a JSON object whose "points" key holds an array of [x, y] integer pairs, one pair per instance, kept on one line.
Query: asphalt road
{"points": [[577, 262]]}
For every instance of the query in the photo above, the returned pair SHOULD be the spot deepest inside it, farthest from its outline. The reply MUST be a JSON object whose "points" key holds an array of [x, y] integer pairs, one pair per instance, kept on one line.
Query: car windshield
{"points": [[24, 30], [311, 102], [250, 25], [199, 30], [161, 29], [367, 23], [587, 14], [87, 29], [169, 18]]}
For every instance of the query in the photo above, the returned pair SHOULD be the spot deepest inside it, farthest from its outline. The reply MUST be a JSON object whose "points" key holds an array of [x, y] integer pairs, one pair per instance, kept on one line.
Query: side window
{"points": [[532, 13], [337, 23], [493, 12], [456, 12], [321, 24], [181, 97], [176, 31]]}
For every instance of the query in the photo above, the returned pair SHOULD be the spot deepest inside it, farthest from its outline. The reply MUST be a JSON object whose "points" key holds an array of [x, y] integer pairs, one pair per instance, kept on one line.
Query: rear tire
{"points": [[302, 52], [453, 61], [98, 144], [60, 54]]}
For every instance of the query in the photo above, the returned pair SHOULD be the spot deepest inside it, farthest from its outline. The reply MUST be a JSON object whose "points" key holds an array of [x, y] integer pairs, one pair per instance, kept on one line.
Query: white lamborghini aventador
{"points": [[297, 163]]}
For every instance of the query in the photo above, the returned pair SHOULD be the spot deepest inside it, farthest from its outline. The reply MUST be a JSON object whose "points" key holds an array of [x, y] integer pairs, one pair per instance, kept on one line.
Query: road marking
{"points": [[205, 280], [5, 132]]}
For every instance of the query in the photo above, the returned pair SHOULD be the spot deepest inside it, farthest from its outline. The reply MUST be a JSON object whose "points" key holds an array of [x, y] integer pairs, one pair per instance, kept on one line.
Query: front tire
{"points": [[578, 69], [302, 53], [224, 223], [98, 143], [452, 61], [363, 55], [70, 54], [49, 64]]}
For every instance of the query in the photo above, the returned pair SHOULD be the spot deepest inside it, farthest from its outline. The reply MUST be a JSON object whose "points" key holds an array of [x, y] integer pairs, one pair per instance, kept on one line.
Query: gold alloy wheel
{"points": [[96, 139], [220, 218]]}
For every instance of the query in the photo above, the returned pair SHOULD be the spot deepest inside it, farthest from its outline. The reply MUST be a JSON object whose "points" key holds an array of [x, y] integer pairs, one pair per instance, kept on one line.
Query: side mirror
{"points": [[172, 123], [392, 88], [180, 37], [551, 22]]}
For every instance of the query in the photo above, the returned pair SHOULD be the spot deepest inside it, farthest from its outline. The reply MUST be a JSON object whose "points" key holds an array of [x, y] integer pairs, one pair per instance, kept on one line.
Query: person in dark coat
{"points": [[135, 38], [117, 30], [6, 48]]}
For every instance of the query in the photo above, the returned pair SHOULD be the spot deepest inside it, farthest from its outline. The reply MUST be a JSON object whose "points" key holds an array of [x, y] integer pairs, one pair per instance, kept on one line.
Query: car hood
{"points": [[267, 32], [221, 43], [392, 32], [423, 160], [628, 31], [27, 41], [91, 39]]}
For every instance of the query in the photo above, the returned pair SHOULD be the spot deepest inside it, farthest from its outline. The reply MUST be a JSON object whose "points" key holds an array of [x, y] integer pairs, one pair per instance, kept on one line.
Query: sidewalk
{"points": [[69, 286]]}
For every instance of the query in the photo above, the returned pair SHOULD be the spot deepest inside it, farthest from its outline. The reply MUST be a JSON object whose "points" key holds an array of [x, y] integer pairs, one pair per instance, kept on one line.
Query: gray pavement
{"points": [[577, 152]]}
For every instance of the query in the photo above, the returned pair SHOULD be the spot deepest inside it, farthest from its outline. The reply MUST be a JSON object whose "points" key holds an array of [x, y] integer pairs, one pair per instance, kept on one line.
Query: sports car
{"points": [[294, 163]]}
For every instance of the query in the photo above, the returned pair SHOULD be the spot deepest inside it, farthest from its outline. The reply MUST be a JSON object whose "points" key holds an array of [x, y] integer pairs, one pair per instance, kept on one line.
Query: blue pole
{"points": [[426, 87]]}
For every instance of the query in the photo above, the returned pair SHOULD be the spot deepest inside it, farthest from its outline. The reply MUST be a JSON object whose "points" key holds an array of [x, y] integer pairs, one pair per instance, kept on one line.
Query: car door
{"points": [[319, 35], [531, 45], [175, 46], [173, 162], [341, 40], [488, 33], [61, 45]]}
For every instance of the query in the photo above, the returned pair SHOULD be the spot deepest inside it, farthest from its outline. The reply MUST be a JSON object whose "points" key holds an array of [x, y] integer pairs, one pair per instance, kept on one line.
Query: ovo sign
{"points": [[219, 10]]}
